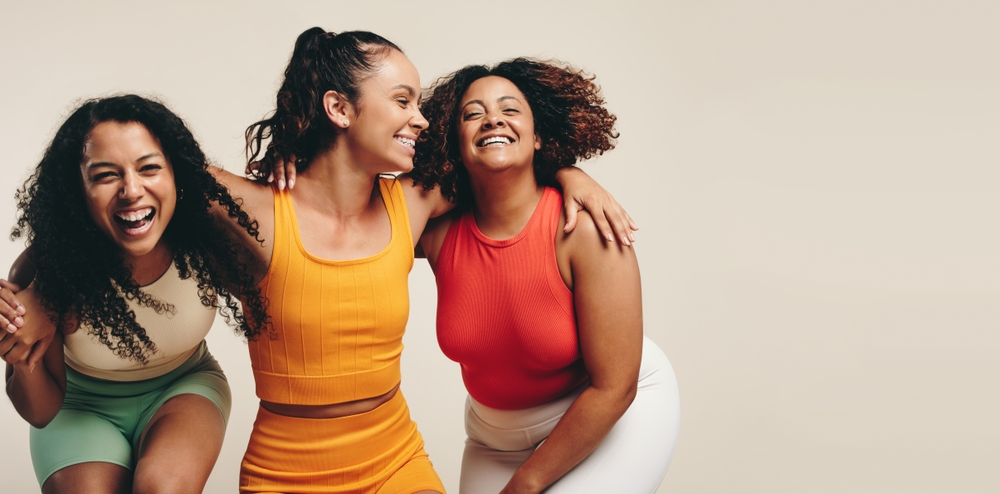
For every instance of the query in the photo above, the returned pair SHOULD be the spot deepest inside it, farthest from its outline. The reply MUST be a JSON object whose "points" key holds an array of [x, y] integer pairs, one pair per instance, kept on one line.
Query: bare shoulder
{"points": [[585, 246], [426, 202], [584, 235]]}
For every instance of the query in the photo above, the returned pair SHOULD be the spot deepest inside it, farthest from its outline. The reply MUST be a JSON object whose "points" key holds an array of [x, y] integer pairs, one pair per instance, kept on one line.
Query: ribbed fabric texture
{"points": [[176, 334], [376, 452], [505, 314], [338, 324]]}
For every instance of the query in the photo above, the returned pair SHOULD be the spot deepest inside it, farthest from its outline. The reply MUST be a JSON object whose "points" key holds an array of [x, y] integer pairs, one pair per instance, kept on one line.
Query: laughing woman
{"points": [[566, 395], [129, 260]]}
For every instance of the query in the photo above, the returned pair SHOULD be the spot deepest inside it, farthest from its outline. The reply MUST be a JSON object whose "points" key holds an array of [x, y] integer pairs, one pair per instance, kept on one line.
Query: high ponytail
{"points": [[321, 61]]}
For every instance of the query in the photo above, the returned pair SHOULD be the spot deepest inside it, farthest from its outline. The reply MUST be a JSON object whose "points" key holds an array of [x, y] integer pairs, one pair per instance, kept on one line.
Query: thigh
{"points": [[416, 476], [183, 429], [74, 437], [636, 452], [184, 435], [486, 470], [90, 478]]}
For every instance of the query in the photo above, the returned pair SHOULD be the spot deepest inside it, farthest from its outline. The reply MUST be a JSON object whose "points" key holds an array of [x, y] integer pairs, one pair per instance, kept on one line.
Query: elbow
{"points": [[39, 422], [619, 398], [628, 395]]}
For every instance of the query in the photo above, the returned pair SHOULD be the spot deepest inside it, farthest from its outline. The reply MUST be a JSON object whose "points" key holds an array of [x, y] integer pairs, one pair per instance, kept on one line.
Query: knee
{"points": [[166, 483]]}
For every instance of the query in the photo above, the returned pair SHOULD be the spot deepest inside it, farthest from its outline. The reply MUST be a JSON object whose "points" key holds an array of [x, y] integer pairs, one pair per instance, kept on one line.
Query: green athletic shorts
{"points": [[102, 420]]}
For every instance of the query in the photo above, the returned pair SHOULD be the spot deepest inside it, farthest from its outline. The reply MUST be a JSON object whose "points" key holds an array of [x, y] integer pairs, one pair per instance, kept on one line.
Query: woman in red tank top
{"points": [[547, 326]]}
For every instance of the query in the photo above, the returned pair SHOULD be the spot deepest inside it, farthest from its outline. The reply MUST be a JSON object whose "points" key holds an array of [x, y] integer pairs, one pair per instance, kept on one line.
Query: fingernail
{"points": [[31, 368], [625, 241], [611, 238], [270, 178], [21, 309], [631, 237], [19, 321], [291, 182], [281, 184], [11, 328]]}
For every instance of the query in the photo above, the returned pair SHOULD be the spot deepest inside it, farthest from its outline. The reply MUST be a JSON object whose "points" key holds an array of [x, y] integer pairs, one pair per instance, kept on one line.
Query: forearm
{"points": [[581, 429], [22, 272], [35, 394]]}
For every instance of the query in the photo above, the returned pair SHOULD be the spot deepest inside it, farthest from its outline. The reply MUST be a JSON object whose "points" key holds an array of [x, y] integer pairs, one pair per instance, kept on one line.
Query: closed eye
{"points": [[103, 177]]}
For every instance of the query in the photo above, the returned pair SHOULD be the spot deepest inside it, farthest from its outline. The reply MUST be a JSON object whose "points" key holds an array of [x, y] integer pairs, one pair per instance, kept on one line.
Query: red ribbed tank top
{"points": [[505, 314]]}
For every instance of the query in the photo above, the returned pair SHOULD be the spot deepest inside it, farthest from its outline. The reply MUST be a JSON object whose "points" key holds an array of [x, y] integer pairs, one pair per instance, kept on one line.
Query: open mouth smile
{"points": [[136, 221], [494, 141]]}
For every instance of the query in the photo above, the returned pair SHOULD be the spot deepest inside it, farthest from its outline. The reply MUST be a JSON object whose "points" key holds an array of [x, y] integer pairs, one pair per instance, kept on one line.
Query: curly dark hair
{"points": [[569, 116], [321, 61], [81, 271]]}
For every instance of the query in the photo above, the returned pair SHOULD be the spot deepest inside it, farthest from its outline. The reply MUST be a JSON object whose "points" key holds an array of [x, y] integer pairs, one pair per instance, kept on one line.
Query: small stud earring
{"points": [[346, 122]]}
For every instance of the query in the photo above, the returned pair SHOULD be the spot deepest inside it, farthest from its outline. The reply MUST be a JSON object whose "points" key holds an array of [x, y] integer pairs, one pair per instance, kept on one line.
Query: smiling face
{"points": [[496, 126], [129, 186], [387, 120]]}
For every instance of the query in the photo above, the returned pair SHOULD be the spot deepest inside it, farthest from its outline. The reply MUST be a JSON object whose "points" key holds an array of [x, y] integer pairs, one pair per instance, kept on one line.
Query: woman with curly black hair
{"points": [[566, 394], [131, 252]]}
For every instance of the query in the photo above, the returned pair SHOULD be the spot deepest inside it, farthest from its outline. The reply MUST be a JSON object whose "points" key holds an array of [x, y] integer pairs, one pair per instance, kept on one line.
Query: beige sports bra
{"points": [[176, 334]]}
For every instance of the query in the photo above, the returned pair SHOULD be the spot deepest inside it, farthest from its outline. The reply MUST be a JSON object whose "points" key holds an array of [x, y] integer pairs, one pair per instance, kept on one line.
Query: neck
{"points": [[335, 185], [504, 201], [149, 267]]}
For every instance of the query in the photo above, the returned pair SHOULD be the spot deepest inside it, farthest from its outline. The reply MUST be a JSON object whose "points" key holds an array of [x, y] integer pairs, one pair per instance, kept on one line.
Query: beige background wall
{"points": [[817, 185]]}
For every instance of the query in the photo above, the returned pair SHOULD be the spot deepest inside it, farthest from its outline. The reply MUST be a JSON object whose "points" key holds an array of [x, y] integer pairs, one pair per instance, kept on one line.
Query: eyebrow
{"points": [[108, 163], [408, 88], [480, 102]]}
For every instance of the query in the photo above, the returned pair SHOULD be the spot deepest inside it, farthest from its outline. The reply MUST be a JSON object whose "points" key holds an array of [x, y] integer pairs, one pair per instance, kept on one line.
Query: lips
{"points": [[406, 141], [135, 221], [496, 140]]}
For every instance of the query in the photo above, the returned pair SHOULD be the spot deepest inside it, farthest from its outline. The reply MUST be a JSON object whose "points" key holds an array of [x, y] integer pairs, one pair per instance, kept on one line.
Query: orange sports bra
{"points": [[338, 325]]}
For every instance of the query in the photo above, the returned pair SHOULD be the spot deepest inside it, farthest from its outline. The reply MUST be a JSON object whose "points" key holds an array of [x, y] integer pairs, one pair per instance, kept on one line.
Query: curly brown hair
{"points": [[569, 116], [321, 61], [81, 271]]}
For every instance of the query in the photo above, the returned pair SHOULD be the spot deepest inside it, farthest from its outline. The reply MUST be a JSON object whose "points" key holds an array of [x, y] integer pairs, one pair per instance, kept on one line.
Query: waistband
{"points": [[325, 390]]}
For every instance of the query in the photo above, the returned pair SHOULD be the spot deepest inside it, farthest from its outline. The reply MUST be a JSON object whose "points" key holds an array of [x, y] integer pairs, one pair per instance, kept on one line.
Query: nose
{"points": [[494, 120], [418, 121], [132, 187]]}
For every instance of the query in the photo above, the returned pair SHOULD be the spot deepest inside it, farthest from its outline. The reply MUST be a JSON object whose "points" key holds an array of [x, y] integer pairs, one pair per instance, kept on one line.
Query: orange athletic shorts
{"points": [[373, 452]]}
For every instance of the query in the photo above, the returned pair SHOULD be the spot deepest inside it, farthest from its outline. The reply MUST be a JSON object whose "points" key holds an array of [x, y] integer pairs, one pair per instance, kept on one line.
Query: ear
{"points": [[538, 142], [338, 110]]}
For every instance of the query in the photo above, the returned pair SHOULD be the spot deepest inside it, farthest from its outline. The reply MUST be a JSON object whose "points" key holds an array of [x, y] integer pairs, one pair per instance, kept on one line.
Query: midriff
{"points": [[332, 410]]}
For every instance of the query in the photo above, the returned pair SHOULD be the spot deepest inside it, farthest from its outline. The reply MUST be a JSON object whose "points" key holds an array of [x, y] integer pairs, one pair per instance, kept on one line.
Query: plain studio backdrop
{"points": [[816, 183]]}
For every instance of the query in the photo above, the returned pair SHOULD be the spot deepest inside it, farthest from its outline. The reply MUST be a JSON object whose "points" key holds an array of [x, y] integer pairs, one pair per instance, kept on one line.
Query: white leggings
{"points": [[633, 458]]}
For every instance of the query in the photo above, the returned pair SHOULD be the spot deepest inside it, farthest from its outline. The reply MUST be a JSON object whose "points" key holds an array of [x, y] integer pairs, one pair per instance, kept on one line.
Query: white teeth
{"points": [[134, 215], [495, 140], [406, 141]]}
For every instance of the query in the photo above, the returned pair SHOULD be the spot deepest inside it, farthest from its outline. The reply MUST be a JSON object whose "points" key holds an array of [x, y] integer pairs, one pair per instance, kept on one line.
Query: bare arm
{"points": [[37, 392], [423, 205], [582, 192], [608, 300], [23, 342], [257, 201]]}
